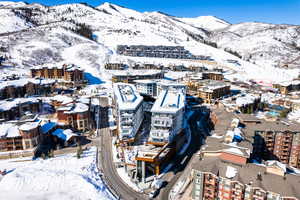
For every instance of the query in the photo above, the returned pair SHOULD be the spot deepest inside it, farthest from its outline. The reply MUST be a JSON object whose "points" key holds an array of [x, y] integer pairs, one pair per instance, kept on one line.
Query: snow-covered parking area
{"points": [[63, 177]]}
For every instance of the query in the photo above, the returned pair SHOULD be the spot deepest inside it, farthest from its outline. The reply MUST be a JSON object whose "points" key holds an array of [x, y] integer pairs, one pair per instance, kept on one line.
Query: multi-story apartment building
{"points": [[212, 90], [19, 137], [115, 66], [155, 51], [25, 87], [213, 75], [167, 116], [130, 77], [153, 88], [277, 141], [66, 72], [289, 86], [75, 115], [129, 110], [16, 108], [214, 179]]}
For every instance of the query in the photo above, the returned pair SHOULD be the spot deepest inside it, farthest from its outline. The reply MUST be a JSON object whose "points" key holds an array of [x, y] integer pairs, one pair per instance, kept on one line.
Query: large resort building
{"points": [[211, 91], [129, 108], [130, 77], [178, 52], [228, 165], [65, 72], [214, 179], [167, 116]]}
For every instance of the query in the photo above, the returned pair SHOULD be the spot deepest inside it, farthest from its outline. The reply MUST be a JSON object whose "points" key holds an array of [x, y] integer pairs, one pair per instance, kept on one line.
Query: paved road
{"points": [[172, 176], [111, 176]]}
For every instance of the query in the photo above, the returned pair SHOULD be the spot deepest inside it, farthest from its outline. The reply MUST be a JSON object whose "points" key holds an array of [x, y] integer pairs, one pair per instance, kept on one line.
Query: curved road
{"points": [[111, 177], [178, 169]]}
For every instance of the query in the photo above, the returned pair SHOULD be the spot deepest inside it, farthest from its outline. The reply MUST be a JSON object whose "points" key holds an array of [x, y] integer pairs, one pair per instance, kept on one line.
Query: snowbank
{"points": [[63, 177]]}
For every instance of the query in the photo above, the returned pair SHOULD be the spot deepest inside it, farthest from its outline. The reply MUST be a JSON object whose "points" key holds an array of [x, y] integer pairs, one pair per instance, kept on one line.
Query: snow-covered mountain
{"points": [[33, 34], [210, 23]]}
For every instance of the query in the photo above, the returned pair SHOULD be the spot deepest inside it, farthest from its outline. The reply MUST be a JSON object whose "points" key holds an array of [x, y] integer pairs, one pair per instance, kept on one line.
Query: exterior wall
{"points": [[147, 88], [275, 170], [233, 158], [164, 126], [114, 66], [208, 186], [155, 51], [58, 73], [295, 151], [11, 144], [78, 121], [209, 96], [131, 119], [131, 78], [283, 146]]}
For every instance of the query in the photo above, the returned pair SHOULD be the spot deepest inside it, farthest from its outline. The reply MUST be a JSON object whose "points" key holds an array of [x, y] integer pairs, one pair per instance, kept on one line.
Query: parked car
{"points": [[153, 194]]}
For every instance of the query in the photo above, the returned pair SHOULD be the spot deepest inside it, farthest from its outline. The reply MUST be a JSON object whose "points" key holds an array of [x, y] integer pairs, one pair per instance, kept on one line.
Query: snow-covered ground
{"points": [[114, 25], [63, 177]]}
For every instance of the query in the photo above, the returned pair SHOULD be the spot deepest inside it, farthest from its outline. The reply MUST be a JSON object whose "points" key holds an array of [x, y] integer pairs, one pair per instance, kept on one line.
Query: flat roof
{"points": [[169, 102], [127, 96]]}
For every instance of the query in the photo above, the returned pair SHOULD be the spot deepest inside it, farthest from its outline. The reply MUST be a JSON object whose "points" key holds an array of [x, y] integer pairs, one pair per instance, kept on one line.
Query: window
{"points": [[81, 124], [27, 144]]}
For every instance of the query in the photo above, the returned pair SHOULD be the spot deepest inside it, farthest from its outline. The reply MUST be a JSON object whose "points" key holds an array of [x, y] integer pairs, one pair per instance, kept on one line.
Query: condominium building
{"points": [[19, 137], [129, 110], [214, 179], [279, 142], [66, 72], [131, 76], [167, 116], [25, 87], [153, 88], [213, 90], [74, 115], [114, 66], [288, 86], [155, 51], [146, 87]]}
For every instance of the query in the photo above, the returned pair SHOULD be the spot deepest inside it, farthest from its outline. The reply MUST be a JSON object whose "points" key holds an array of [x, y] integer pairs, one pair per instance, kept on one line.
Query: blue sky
{"points": [[234, 11]]}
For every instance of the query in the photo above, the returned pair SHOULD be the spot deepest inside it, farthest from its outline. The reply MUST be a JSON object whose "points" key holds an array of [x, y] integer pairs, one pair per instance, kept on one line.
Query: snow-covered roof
{"points": [[211, 85], [78, 108], [64, 134], [22, 82], [276, 163], [9, 104], [135, 72], [169, 102], [247, 99], [127, 96], [62, 98], [9, 130], [29, 126], [68, 67], [287, 83]]}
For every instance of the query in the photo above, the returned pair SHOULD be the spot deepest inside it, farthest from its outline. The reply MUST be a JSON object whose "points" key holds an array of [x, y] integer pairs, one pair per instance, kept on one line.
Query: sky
{"points": [[233, 11]]}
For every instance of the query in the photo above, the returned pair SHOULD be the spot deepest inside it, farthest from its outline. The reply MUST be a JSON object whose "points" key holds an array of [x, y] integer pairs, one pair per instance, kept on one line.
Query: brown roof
{"points": [[288, 186]]}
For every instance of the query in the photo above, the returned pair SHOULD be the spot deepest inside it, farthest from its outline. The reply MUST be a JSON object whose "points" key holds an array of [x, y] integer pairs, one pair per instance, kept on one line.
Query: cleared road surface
{"points": [[111, 176]]}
